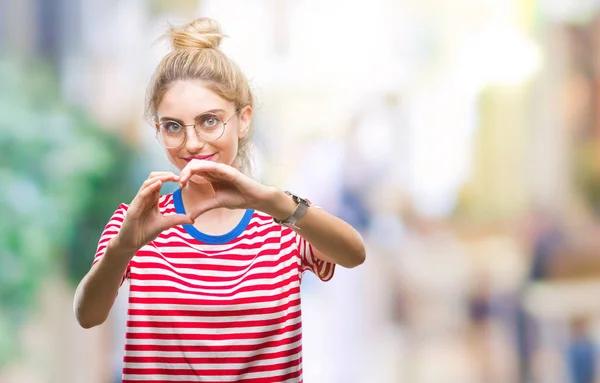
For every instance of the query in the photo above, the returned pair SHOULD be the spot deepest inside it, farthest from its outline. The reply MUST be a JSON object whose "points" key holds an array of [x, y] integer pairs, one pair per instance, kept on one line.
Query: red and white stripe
{"points": [[229, 312]]}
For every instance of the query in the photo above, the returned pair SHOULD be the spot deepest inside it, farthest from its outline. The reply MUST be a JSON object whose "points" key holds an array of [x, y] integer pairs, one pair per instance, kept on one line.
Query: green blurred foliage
{"points": [[62, 176]]}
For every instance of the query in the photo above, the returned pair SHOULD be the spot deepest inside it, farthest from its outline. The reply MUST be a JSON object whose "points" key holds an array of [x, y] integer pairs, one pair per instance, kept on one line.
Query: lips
{"points": [[206, 157]]}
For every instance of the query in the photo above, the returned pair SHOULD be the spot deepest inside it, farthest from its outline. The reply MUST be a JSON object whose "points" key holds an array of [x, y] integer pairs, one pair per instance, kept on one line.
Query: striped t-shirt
{"points": [[206, 308]]}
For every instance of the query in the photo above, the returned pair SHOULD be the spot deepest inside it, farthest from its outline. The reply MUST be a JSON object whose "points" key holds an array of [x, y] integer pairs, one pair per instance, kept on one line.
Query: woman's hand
{"points": [[143, 221], [232, 189]]}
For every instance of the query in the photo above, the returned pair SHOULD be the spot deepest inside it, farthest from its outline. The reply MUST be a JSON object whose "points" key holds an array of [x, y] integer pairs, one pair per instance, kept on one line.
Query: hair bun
{"points": [[201, 33]]}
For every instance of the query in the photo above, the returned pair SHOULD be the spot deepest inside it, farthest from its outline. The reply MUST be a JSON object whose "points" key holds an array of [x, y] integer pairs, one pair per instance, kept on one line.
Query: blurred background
{"points": [[462, 138]]}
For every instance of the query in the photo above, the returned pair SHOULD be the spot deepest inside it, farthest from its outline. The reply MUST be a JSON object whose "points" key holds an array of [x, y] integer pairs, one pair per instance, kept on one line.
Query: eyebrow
{"points": [[214, 111]]}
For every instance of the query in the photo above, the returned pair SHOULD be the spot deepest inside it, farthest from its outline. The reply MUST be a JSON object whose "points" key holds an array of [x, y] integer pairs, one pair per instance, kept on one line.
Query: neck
{"points": [[213, 222], [194, 192], [198, 191]]}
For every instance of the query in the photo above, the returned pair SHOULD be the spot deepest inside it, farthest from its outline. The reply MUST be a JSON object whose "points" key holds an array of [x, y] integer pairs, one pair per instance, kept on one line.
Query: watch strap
{"points": [[301, 208]]}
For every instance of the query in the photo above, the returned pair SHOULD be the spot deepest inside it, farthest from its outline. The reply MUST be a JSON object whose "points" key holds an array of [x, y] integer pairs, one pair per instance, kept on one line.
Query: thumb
{"points": [[175, 220], [203, 207]]}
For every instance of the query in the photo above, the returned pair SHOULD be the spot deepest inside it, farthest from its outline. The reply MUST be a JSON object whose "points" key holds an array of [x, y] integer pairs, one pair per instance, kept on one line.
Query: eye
{"points": [[171, 127], [210, 122]]}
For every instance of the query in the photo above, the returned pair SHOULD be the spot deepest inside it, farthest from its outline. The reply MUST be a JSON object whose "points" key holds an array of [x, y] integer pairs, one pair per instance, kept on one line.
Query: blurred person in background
{"points": [[215, 267], [563, 254], [581, 351]]}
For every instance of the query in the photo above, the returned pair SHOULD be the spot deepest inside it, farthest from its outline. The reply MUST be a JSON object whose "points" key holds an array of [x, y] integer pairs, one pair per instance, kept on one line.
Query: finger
{"points": [[211, 175], [194, 167], [153, 187], [169, 221], [164, 178], [220, 173], [161, 173], [203, 207], [185, 175], [207, 176]]}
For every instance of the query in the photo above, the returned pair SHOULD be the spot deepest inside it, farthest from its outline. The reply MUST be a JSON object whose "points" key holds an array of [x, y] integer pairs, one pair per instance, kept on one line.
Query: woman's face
{"points": [[193, 102]]}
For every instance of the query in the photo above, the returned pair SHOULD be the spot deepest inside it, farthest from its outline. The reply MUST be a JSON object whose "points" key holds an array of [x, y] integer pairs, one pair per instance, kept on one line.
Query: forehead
{"points": [[187, 99]]}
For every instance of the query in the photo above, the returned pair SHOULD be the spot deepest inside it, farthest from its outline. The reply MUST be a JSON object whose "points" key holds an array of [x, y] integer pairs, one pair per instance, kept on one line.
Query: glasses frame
{"points": [[185, 138]]}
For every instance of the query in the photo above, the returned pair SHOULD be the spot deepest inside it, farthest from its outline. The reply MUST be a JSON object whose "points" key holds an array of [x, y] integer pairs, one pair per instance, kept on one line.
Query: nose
{"points": [[193, 143]]}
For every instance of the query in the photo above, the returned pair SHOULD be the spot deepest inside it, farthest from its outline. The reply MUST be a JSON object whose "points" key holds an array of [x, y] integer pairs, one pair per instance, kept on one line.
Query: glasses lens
{"points": [[171, 134], [211, 128]]}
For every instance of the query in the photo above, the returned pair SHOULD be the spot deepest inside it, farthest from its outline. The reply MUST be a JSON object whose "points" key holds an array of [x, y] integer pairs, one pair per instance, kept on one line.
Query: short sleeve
{"points": [[110, 231], [322, 269]]}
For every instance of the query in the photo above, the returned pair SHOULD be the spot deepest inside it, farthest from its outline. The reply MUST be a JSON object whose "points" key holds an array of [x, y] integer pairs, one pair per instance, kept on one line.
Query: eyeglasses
{"points": [[209, 127]]}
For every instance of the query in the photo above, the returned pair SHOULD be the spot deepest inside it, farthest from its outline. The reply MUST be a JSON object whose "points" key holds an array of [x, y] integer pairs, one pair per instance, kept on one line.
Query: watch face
{"points": [[297, 199], [300, 200]]}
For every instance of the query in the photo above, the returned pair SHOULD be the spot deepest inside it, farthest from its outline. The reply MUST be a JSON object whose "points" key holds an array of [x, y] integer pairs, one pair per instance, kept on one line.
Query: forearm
{"points": [[330, 235], [97, 291]]}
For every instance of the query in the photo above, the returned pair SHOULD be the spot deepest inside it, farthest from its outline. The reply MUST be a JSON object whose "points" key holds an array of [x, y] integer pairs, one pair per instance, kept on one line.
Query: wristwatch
{"points": [[301, 208]]}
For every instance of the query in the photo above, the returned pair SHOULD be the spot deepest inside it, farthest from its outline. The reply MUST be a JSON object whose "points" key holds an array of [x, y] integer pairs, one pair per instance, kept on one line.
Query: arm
{"points": [[124, 235], [97, 291], [333, 239]]}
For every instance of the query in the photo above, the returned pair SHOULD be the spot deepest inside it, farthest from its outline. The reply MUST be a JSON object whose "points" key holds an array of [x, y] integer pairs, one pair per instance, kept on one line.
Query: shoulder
{"points": [[122, 208], [260, 219], [263, 223]]}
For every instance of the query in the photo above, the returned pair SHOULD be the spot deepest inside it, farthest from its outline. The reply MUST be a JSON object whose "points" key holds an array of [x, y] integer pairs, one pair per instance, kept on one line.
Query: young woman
{"points": [[215, 267]]}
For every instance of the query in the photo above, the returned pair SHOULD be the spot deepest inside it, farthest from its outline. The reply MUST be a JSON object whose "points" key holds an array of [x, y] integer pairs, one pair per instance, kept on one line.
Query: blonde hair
{"points": [[195, 55]]}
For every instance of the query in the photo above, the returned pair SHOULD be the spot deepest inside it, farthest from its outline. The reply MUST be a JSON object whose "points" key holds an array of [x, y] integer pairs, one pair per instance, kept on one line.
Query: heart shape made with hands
{"points": [[232, 189]]}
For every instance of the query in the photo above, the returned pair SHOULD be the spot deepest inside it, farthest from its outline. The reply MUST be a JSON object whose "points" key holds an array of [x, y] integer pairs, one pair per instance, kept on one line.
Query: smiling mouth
{"points": [[207, 157]]}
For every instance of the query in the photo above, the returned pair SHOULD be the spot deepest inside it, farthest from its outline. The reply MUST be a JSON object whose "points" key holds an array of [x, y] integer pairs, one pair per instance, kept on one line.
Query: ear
{"points": [[245, 119]]}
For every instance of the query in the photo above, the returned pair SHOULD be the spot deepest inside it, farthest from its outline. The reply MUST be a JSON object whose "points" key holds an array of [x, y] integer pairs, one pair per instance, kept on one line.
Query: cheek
{"points": [[230, 151], [227, 144], [175, 159]]}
